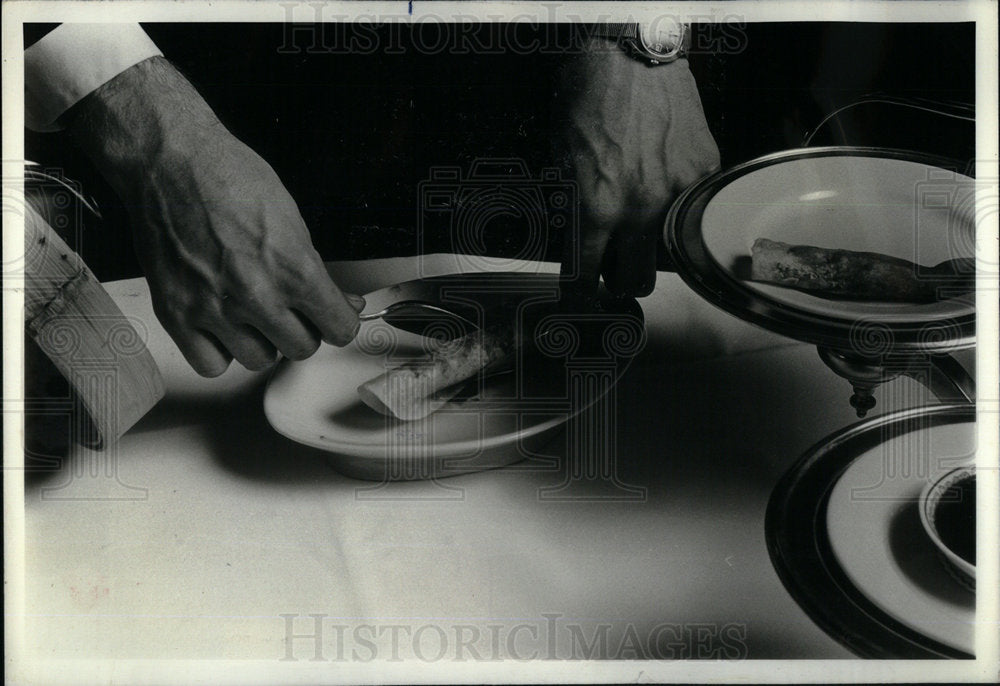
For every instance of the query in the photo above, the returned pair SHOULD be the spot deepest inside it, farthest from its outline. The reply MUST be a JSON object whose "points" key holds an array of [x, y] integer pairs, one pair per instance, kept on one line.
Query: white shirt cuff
{"points": [[74, 60]]}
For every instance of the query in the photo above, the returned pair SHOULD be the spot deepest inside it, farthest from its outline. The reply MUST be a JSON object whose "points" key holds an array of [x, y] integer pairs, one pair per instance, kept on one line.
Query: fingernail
{"points": [[357, 302]]}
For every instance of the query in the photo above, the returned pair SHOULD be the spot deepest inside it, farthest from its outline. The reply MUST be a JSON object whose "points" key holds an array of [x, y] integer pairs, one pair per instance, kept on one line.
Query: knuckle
{"points": [[605, 209], [257, 296], [712, 159], [310, 269], [689, 174], [701, 161], [603, 215], [182, 314], [308, 287], [706, 164], [170, 311], [651, 196]]}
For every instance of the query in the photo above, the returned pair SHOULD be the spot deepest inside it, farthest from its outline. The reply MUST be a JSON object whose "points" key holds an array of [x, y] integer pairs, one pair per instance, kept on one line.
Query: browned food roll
{"points": [[847, 274], [414, 390]]}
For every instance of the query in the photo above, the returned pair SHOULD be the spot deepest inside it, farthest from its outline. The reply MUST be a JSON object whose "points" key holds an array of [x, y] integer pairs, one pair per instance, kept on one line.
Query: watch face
{"points": [[663, 40]]}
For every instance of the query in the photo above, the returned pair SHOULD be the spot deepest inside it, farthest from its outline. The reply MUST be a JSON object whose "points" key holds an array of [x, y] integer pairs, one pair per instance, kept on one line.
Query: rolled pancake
{"points": [[416, 389], [843, 273]]}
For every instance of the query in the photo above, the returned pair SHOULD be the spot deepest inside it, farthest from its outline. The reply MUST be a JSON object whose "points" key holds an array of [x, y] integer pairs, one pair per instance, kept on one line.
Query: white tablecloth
{"points": [[204, 534]]}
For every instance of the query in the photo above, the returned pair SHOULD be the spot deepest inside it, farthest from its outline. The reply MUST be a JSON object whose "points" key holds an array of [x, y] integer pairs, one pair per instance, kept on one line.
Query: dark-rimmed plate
{"points": [[899, 203], [836, 589]]}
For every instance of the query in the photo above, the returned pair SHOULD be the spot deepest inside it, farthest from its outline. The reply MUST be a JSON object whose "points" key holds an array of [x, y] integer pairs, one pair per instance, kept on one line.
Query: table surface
{"points": [[203, 530]]}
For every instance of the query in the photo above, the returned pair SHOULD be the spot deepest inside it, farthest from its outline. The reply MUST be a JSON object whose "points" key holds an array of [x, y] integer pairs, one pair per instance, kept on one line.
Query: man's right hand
{"points": [[230, 264], [637, 138]]}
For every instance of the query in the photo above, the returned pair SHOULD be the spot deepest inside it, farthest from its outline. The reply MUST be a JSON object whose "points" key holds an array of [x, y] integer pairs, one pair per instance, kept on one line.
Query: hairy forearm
{"points": [[140, 119]]}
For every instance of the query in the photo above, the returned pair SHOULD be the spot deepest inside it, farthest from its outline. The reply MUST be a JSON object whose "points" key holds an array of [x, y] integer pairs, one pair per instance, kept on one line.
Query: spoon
{"points": [[416, 305]]}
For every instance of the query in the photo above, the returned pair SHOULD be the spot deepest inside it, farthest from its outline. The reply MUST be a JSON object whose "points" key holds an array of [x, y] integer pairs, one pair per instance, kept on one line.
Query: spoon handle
{"points": [[415, 305]]}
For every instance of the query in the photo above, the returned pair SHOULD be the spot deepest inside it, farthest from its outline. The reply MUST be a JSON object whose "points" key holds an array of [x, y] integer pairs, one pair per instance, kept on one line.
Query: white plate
{"points": [[875, 532], [315, 401], [900, 208]]}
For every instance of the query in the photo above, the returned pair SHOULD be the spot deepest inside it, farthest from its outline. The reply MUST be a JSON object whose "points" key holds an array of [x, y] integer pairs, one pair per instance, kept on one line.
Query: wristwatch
{"points": [[652, 43]]}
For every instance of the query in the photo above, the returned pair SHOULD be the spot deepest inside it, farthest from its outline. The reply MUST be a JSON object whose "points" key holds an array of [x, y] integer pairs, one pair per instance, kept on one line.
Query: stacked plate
{"points": [[846, 535]]}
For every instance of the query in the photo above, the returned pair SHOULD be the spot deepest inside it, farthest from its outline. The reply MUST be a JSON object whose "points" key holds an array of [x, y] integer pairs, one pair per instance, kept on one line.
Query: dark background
{"points": [[351, 134]]}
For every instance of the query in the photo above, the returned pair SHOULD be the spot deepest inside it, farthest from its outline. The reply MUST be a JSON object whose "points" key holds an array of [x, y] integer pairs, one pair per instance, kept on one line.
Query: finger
{"points": [[583, 253], [294, 338], [329, 311], [585, 240], [630, 270], [206, 355], [247, 345], [356, 301]]}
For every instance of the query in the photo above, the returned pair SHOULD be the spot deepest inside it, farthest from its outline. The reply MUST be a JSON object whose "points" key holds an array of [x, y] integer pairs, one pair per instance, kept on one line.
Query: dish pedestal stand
{"points": [[941, 374]]}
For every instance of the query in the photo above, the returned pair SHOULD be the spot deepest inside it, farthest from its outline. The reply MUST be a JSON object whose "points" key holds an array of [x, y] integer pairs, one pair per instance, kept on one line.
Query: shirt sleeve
{"points": [[72, 61]]}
